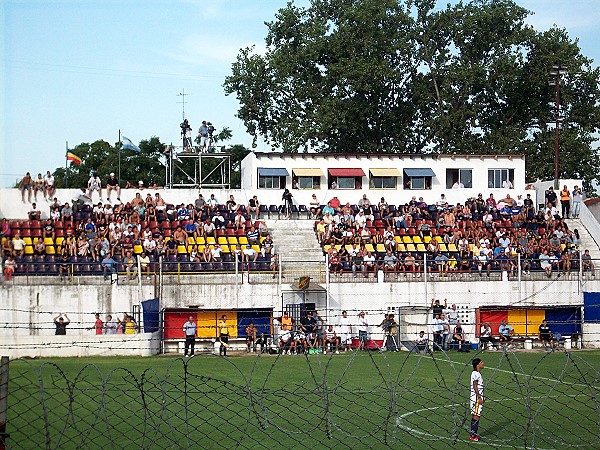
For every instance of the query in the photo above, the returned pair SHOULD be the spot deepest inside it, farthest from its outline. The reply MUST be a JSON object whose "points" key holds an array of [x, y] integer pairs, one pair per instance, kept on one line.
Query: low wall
{"points": [[81, 345]]}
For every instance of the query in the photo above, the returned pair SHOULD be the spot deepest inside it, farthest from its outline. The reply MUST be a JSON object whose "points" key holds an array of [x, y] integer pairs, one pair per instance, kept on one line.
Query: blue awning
{"points": [[425, 172], [272, 172]]}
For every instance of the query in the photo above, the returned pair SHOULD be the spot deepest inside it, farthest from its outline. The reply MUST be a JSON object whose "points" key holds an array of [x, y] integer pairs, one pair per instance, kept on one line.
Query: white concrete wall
{"points": [[591, 336], [80, 345], [27, 311], [479, 165]]}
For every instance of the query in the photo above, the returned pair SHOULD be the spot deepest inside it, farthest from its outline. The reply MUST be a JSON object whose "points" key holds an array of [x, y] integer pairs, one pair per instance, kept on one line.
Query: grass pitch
{"points": [[352, 400]]}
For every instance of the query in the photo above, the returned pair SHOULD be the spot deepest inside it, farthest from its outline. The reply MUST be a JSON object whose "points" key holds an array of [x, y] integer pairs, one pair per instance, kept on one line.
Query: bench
{"points": [[204, 345]]}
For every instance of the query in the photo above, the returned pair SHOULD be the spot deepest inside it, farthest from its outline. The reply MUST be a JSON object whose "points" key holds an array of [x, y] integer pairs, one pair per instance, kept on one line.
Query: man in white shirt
{"points": [[476, 398], [110, 326], [436, 330], [363, 326], [345, 331], [49, 185], [452, 315]]}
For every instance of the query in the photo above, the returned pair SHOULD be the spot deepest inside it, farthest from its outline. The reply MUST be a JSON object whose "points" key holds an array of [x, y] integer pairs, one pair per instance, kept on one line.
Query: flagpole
{"points": [[66, 165], [119, 147]]}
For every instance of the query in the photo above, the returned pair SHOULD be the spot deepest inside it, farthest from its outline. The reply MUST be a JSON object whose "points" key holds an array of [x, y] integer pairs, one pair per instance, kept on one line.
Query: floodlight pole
{"points": [[557, 72]]}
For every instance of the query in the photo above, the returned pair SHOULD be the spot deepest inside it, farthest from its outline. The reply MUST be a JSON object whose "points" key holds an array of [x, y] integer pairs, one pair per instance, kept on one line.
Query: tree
{"points": [[102, 158], [402, 76]]}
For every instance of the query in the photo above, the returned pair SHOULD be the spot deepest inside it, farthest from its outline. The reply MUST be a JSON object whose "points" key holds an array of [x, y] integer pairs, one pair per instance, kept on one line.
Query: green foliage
{"points": [[103, 158], [403, 76], [147, 165]]}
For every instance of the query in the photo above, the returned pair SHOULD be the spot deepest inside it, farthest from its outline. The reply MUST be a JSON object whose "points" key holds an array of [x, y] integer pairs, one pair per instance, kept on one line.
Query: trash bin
{"points": [[380, 276], [567, 343], [528, 344]]}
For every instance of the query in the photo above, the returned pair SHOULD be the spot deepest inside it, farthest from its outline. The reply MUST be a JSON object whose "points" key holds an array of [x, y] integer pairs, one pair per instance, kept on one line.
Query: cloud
{"points": [[200, 50]]}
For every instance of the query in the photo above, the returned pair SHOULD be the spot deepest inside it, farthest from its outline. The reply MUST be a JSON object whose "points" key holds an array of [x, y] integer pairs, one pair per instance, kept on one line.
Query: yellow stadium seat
{"points": [[439, 239], [181, 249], [59, 240], [48, 241], [210, 240], [411, 247], [225, 248], [407, 239], [243, 240], [28, 250], [28, 241], [256, 248], [417, 240], [3, 239], [191, 240], [421, 248], [50, 250], [327, 247], [222, 240], [380, 248], [398, 239], [369, 248], [443, 248], [200, 240], [426, 239], [338, 247], [452, 247], [168, 238], [401, 248], [201, 248], [232, 240], [348, 247], [138, 249]]}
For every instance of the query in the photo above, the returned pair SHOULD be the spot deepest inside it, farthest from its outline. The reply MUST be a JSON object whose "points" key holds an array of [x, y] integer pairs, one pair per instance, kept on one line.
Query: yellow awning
{"points": [[308, 172], [389, 172]]}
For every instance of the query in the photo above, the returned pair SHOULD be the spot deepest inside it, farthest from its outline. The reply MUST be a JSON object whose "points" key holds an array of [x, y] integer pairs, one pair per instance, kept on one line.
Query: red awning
{"points": [[346, 172]]}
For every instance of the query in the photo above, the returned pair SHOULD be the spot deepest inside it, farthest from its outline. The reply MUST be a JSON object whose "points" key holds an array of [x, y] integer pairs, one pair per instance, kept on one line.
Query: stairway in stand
{"points": [[296, 243]]}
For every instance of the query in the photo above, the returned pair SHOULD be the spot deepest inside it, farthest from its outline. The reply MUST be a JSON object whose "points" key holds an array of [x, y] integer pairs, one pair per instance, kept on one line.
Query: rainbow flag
{"points": [[73, 157]]}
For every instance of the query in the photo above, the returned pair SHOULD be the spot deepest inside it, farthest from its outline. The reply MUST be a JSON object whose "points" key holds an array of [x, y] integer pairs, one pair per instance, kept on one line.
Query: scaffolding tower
{"points": [[193, 169]]}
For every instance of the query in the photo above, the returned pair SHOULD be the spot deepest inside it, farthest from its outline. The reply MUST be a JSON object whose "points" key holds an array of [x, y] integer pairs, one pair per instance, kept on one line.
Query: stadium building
{"points": [[249, 287]]}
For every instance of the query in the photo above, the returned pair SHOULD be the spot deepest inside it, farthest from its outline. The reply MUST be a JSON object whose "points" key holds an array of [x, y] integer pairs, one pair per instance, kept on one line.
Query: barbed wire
{"points": [[357, 400]]}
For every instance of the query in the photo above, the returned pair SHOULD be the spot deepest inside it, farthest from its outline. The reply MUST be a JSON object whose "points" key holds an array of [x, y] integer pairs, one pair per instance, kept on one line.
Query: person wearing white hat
{"points": [[112, 184]]}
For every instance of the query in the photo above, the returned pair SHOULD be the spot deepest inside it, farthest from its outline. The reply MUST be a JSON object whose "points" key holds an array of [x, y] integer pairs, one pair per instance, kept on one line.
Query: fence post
{"points": [[3, 400]]}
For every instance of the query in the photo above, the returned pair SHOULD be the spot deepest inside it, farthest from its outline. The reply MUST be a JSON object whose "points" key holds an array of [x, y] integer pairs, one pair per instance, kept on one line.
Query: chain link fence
{"points": [[352, 400]]}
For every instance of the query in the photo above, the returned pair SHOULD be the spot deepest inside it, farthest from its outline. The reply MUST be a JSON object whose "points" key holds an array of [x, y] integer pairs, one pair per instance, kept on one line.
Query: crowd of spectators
{"points": [[124, 237], [475, 237]]}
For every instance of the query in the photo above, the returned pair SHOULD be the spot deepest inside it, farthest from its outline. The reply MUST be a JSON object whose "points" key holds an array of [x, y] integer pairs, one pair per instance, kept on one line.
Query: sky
{"points": [[81, 70]]}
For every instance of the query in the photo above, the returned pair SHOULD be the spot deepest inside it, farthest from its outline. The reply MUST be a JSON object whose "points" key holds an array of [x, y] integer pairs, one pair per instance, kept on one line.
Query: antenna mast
{"points": [[183, 102]]}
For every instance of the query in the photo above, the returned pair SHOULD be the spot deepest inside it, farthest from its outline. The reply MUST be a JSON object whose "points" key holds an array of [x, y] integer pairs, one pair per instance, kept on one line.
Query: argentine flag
{"points": [[127, 144]]}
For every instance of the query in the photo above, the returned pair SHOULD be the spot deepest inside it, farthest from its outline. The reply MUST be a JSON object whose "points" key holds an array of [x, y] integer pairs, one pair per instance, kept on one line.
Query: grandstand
{"points": [[442, 234]]}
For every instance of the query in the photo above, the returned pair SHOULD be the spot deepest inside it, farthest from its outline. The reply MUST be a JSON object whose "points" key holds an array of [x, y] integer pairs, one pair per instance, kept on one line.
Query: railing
{"points": [[261, 272]]}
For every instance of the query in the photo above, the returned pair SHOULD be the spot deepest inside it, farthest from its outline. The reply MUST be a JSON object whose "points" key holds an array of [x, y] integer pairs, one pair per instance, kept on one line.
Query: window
{"points": [[346, 182], [309, 182], [497, 177], [420, 178], [461, 176], [271, 182], [377, 182]]}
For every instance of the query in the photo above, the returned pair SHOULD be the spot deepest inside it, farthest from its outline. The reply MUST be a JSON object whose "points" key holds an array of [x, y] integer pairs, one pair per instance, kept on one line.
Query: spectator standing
{"points": [[550, 196], [287, 203], [110, 326], [436, 330], [436, 308], [452, 315], [251, 337], [98, 324], [577, 199], [189, 328], [145, 264], [345, 331], [186, 133], [204, 137], [363, 327], [61, 324], [565, 201]]}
